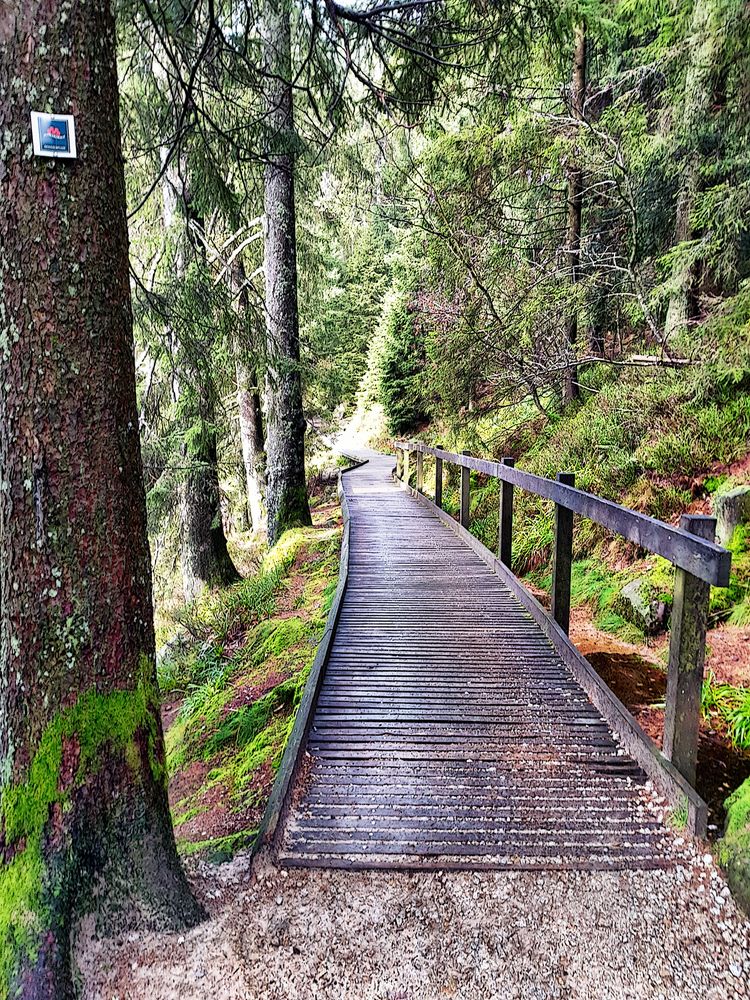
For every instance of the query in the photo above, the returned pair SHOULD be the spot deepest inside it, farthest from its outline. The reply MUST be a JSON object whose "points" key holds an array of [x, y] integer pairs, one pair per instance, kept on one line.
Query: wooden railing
{"points": [[699, 564]]}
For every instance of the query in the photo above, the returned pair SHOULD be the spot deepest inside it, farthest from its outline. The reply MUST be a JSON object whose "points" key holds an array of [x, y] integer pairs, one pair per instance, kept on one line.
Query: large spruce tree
{"points": [[287, 491], [84, 818]]}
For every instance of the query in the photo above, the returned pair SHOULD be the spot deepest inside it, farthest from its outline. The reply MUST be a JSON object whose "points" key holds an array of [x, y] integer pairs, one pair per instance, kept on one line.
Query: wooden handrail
{"points": [[699, 564], [698, 556]]}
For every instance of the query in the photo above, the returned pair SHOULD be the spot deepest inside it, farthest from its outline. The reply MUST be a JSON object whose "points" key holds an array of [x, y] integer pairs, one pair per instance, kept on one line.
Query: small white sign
{"points": [[53, 135]]}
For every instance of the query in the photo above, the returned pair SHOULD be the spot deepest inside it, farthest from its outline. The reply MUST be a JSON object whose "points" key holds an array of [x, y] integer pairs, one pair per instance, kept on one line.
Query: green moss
{"points": [[678, 818], [218, 849], [280, 636], [95, 721], [734, 847], [185, 817]]}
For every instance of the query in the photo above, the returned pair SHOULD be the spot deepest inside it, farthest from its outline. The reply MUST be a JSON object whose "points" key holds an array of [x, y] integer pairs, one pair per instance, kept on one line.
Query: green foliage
{"points": [[244, 673], [217, 850], [729, 705], [734, 847], [401, 364]]}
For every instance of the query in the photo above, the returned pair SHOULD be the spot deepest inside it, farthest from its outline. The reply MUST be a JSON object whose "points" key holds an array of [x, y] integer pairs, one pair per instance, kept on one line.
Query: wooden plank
{"points": [[465, 513], [666, 778], [687, 654], [505, 520], [438, 480], [447, 723], [562, 559]]}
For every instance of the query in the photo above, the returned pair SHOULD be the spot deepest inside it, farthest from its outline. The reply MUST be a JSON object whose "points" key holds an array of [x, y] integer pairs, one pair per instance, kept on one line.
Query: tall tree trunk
{"points": [[703, 77], [287, 492], [84, 818], [575, 210], [204, 556], [205, 559], [248, 401]]}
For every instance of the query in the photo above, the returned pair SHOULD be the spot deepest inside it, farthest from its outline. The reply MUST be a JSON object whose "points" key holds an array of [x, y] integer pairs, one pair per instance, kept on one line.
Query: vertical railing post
{"points": [[562, 559], [420, 472], [439, 480], [465, 486], [405, 476], [505, 534], [399, 462], [687, 654]]}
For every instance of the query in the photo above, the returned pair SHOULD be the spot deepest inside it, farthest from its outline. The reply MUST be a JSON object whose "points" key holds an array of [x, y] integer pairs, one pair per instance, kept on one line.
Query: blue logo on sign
{"points": [[53, 135]]}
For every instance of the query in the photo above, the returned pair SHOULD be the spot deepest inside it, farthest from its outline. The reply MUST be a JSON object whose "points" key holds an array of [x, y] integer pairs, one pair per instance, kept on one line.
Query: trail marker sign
{"points": [[53, 135]]}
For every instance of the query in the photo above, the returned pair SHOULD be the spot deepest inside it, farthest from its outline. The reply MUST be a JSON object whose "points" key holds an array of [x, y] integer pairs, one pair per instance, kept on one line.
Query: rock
{"points": [[174, 645], [731, 508], [638, 603]]}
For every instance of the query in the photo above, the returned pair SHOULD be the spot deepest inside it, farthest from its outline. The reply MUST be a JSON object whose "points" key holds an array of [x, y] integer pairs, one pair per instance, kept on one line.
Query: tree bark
{"points": [[204, 557], [287, 491], [575, 211], [701, 79], [248, 401], [84, 818]]}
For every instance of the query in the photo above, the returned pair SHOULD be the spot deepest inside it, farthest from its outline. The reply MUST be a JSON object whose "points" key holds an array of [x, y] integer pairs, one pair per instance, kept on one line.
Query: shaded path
{"points": [[448, 731]]}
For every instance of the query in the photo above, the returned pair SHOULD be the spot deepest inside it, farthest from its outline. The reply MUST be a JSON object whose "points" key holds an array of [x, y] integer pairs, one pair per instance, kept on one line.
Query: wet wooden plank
{"points": [[448, 730]]}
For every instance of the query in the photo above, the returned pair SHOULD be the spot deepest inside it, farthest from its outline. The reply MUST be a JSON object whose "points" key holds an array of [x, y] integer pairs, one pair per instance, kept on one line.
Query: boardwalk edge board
{"points": [[665, 778], [275, 813]]}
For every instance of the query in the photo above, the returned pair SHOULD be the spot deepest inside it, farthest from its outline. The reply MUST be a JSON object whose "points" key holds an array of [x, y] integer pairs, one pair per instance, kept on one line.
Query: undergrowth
{"points": [[730, 707], [238, 671]]}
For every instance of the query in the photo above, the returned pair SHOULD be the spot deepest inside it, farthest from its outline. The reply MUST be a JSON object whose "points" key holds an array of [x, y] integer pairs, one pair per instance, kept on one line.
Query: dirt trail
{"points": [[656, 935]]}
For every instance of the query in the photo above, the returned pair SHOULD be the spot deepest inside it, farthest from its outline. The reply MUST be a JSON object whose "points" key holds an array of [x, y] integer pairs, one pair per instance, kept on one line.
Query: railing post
{"points": [[505, 539], [399, 462], [465, 485], [562, 559], [687, 654], [439, 480], [405, 475], [420, 472]]}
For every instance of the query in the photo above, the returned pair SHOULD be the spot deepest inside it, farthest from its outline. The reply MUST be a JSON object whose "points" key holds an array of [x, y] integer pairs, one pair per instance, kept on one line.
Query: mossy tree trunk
{"points": [[247, 372], [84, 818], [204, 555], [286, 487]]}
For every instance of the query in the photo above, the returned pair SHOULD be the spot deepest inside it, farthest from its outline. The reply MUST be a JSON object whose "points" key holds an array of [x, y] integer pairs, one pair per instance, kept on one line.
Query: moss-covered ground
{"points": [[233, 680]]}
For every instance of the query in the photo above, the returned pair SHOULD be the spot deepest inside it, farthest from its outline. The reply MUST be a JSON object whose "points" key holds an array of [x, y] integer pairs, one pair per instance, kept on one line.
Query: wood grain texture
{"points": [[448, 730]]}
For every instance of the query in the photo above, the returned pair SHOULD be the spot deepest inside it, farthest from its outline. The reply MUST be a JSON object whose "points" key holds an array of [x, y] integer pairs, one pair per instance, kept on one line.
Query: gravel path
{"points": [[666, 934]]}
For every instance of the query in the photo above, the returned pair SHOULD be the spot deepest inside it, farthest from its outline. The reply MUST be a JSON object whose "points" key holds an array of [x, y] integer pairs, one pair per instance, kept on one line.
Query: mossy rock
{"points": [[640, 604], [732, 508], [734, 847]]}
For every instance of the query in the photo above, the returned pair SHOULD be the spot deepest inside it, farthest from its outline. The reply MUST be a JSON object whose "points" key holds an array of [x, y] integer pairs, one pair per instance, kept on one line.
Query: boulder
{"points": [[638, 603], [731, 509]]}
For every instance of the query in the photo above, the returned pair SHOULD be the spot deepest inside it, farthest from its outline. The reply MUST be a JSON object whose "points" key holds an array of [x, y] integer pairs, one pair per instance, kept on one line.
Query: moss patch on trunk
{"points": [[69, 752]]}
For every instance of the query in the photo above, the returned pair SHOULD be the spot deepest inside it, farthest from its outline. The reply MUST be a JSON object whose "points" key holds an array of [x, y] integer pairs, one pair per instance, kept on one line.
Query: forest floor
{"points": [[636, 672], [232, 679], [293, 934]]}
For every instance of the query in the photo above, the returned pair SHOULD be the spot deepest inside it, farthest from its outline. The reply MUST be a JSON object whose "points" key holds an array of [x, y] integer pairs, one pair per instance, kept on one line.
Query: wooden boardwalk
{"points": [[448, 732]]}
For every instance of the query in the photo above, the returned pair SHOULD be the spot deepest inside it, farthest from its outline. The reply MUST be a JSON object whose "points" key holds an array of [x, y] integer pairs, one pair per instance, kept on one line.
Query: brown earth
{"points": [[639, 680]]}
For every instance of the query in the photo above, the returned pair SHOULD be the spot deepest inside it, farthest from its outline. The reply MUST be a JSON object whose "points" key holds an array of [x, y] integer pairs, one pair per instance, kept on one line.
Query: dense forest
{"points": [[516, 229]]}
